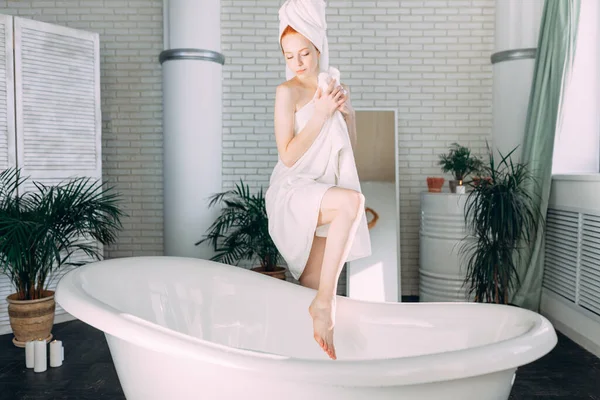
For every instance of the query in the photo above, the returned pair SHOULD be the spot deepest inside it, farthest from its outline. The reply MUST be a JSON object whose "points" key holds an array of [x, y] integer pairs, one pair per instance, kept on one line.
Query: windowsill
{"points": [[581, 177]]}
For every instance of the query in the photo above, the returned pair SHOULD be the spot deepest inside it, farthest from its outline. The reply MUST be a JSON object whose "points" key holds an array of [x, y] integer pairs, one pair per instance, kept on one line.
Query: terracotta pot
{"points": [[279, 272], [31, 319], [435, 184]]}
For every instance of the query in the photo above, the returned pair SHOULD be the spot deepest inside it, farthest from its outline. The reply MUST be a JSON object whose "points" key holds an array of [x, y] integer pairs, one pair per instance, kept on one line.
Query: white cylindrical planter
{"points": [[517, 27], [441, 275], [192, 93]]}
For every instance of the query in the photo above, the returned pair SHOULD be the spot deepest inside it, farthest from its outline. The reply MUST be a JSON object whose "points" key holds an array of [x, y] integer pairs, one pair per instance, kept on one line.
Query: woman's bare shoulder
{"points": [[284, 96], [287, 93], [288, 88]]}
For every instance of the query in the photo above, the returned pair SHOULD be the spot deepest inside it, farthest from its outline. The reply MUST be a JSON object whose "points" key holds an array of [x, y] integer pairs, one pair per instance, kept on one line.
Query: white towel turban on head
{"points": [[307, 17]]}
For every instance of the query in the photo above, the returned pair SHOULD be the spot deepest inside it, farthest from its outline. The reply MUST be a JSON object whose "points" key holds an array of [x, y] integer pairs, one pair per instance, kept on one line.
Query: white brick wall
{"points": [[131, 91], [428, 59]]}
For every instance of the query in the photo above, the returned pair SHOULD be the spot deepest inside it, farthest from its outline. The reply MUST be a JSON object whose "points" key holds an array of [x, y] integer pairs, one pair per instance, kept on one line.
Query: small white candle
{"points": [[29, 351], [40, 356], [56, 354], [460, 190]]}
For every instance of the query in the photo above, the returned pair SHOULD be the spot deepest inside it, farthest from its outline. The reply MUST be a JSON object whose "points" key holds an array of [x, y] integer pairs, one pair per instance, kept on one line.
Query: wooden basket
{"points": [[371, 224]]}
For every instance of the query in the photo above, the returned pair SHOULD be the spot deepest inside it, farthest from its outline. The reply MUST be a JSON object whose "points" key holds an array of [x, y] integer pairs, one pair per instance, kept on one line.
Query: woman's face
{"points": [[300, 55]]}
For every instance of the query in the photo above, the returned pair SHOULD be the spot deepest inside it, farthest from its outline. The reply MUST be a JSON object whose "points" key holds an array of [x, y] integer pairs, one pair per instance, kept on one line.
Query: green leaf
{"points": [[501, 215], [241, 230], [42, 228], [460, 162]]}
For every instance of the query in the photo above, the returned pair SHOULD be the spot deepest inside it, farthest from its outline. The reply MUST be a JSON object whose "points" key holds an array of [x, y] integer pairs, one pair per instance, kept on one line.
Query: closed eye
{"points": [[303, 55]]}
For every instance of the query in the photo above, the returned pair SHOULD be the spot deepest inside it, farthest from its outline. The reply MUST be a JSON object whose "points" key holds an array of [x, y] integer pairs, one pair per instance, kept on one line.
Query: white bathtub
{"points": [[183, 328]]}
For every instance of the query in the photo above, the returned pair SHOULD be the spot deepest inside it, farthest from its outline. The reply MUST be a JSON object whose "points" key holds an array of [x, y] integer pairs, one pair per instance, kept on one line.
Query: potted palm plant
{"points": [[502, 215], [460, 163], [241, 231], [43, 230]]}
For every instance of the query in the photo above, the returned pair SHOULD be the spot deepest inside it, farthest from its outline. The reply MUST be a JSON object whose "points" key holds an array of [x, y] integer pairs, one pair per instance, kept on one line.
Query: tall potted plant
{"points": [[241, 231], [40, 232], [460, 163], [501, 215]]}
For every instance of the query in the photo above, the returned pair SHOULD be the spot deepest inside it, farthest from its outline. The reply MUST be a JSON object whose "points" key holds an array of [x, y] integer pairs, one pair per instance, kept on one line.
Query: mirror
{"points": [[377, 277]]}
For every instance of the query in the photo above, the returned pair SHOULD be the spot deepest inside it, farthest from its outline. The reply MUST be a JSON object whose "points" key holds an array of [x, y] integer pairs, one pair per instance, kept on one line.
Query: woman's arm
{"points": [[291, 147]]}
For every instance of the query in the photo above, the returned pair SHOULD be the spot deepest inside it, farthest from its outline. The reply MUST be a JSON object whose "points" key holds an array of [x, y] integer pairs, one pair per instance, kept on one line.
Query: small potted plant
{"points": [[460, 163], [42, 230], [502, 216], [241, 231]]}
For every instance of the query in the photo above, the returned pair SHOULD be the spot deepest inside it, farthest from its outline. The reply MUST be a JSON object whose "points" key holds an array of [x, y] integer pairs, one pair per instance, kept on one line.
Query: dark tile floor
{"points": [[568, 372], [87, 373]]}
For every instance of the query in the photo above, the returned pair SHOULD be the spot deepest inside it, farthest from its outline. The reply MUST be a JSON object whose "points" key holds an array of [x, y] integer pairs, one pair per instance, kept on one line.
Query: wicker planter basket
{"points": [[31, 319], [373, 221], [279, 272]]}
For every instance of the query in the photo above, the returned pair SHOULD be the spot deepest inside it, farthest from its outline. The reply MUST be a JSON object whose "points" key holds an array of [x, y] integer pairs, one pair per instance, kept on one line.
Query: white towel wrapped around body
{"points": [[293, 198]]}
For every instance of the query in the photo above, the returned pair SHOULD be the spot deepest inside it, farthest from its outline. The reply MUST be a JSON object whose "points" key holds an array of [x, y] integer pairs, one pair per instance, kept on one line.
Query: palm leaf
{"points": [[41, 229], [240, 232], [501, 215]]}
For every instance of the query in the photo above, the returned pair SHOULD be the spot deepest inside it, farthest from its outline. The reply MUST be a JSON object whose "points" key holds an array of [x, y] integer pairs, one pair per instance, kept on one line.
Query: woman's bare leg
{"points": [[342, 209], [312, 272]]}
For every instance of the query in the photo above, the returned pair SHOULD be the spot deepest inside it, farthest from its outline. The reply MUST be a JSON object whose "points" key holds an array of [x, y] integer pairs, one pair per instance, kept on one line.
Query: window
{"points": [[577, 142]]}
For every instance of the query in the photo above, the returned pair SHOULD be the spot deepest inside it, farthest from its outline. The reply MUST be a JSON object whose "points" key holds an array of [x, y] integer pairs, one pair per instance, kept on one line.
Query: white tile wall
{"points": [[131, 91], [428, 59]]}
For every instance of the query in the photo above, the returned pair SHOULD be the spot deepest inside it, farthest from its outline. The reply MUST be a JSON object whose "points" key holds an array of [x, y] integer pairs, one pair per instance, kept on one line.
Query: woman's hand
{"points": [[329, 100], [346, 107]]}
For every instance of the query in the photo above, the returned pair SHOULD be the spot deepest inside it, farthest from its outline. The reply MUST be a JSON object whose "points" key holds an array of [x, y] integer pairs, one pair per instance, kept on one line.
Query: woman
{"points": [[295, 196]]}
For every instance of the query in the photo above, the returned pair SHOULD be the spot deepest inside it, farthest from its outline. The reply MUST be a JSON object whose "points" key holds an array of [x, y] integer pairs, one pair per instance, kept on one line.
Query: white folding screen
{"points": [[57, 101], [50, 118]]}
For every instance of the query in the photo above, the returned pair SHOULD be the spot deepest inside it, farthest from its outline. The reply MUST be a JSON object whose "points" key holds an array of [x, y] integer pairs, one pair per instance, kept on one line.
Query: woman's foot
{"points": [[322, 312]]}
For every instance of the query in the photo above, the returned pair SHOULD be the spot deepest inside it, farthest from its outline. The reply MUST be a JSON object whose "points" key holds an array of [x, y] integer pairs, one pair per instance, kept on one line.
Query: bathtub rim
{"points": [[507, 354]]}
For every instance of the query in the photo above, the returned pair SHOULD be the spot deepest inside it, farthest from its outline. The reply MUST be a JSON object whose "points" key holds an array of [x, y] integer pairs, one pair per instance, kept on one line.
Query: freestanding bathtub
{"points": [[181, 328]]}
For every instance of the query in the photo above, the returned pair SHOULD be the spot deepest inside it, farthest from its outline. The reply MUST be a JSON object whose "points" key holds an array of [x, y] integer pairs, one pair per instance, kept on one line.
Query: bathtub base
{"points": [[149, 375]]}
